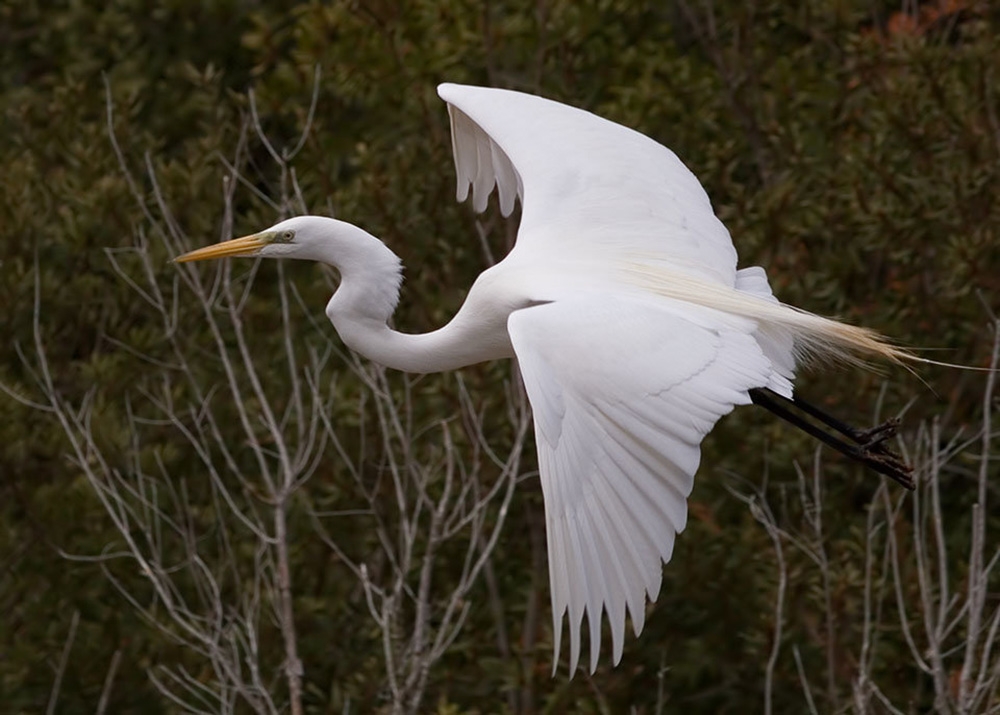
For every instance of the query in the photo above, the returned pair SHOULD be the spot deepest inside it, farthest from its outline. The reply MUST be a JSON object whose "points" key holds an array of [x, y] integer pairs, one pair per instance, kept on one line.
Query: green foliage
{"points": [[859, 166]]}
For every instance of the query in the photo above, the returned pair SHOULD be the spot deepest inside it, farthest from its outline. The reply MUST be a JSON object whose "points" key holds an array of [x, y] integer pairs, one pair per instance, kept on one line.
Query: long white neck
{"points": [[370, 279]]}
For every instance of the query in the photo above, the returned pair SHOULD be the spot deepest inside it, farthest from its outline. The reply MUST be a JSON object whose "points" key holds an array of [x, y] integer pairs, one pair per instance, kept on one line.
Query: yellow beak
{"points": [[246, 246]]}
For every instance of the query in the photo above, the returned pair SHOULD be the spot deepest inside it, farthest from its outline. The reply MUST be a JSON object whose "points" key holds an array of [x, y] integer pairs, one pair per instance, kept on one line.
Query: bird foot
{"points": [[866, 446], [874, 439], [873, 451]]}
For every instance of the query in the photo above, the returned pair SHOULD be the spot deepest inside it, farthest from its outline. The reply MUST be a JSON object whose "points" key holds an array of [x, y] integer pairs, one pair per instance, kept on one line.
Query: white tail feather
{"points": [[816, 337]]}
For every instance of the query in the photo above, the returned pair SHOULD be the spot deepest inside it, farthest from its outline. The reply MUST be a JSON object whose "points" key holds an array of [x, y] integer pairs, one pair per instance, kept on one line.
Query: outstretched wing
{"points": [[623, 390], [587, 185]]}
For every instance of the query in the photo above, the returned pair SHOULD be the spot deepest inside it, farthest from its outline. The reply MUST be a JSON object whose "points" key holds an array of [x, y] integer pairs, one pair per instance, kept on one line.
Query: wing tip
{"points": [[450, 91]]}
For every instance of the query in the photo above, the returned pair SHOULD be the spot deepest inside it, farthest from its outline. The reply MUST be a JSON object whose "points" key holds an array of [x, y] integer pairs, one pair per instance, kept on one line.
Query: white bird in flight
{"points": [[633, 329]]}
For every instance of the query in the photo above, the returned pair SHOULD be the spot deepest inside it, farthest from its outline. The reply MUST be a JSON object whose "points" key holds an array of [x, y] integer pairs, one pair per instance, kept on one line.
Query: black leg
{"points": [[872, 439], [865, 446]]}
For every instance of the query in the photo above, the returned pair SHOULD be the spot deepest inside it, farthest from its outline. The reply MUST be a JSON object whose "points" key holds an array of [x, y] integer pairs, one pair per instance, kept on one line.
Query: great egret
{"points": [[633, 329]]}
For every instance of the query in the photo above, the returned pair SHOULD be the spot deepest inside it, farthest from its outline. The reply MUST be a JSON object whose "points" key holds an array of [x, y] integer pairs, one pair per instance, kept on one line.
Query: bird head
{"points": [[292, 238]]}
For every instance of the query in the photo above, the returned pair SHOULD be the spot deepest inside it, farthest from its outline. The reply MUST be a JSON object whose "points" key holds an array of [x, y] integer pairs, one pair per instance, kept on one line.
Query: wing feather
{"points": [[485, 176], [610, 544], [463, 150], [639, 457], [506, 179], [643, 534], [623, 391]]}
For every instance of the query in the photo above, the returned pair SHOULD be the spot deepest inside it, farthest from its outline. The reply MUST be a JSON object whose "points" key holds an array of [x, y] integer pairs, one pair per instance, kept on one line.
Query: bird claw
{"points": [[878, 434], [874, 452]]}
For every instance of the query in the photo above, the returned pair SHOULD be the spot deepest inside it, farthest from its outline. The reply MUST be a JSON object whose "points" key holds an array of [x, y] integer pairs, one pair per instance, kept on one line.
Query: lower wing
{"points": [[623, 390]]}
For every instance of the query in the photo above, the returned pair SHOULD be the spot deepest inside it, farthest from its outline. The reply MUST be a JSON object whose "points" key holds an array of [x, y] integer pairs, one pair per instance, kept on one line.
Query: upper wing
{"points": [[586, 184], [623, 391]]}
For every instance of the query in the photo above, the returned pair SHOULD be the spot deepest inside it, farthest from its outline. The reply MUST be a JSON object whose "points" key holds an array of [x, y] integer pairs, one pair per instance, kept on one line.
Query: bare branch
{"points": [[63, 661]]}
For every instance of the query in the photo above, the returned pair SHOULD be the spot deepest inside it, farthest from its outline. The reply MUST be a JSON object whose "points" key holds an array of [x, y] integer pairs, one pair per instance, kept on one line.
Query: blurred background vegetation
{"points": [[851, 146]]}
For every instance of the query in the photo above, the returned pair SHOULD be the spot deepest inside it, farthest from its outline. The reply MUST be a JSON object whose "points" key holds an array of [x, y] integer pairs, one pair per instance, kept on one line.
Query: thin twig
{"points": [[63, 661]]}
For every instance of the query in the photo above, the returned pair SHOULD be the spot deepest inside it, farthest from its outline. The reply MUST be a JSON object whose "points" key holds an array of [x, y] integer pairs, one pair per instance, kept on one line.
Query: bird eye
{"points": [[287, 235]]}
